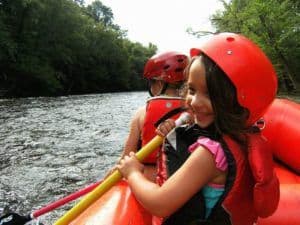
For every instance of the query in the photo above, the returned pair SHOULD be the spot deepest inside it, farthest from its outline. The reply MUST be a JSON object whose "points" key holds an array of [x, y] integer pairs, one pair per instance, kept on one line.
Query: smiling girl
{"points": [[208, 170]]}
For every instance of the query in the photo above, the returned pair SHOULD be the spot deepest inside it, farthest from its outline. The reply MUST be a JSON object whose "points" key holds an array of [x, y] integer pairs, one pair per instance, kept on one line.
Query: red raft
{"points": [[282, 130], [116, 207]]}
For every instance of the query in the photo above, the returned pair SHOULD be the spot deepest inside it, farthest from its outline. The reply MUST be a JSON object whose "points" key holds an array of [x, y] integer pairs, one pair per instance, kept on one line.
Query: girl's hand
{"points": [[129, 165], [165, 127]]}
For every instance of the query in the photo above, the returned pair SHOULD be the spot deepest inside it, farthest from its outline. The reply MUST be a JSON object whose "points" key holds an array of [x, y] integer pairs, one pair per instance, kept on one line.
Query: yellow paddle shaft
{"points": [[106, 184]]}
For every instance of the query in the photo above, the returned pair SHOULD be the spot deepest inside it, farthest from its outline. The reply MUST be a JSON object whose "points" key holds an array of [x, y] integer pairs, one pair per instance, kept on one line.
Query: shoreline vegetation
{"points": [[293, 97], [63, 47]]}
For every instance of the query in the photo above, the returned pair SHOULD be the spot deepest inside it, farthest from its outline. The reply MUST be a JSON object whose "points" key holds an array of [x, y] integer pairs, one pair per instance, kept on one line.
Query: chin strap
{"points": [[163, 90]]}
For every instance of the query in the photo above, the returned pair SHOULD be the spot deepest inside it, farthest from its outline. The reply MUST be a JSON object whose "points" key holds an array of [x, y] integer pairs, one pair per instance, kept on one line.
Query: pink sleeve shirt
{"points": [[212, 192], [215, 148]]}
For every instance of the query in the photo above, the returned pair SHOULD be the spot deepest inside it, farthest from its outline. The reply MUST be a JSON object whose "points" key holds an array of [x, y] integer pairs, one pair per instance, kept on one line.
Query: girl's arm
{"points": [[133, 138], [162, 201]]}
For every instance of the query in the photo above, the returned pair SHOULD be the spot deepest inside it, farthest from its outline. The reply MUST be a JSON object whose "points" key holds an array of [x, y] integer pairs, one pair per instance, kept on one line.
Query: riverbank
{"points": [[3, 92], [294, 96]]}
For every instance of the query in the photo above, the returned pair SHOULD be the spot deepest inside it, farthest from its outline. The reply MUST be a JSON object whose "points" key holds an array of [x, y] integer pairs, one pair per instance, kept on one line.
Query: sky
{"points": [[163, 22]]}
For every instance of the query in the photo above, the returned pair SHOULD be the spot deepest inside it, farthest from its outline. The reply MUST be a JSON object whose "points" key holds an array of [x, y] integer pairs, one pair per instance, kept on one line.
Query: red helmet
{"points": [[167, 66], [247, 67]]}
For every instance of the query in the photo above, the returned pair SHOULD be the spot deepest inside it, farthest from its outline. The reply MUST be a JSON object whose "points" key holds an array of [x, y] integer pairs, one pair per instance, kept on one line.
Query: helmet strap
{"points": [[176, 85], [150, 93], [163, 90], [149, 88]]}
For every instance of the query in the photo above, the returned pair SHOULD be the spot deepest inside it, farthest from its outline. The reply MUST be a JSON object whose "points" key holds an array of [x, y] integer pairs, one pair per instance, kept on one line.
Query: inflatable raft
{"points": [[281, 127], [282, 130]]}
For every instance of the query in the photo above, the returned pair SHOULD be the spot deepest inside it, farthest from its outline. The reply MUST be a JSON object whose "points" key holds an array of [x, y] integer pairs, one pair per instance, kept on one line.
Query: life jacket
{"points": [[245, 196], [156, 108]]}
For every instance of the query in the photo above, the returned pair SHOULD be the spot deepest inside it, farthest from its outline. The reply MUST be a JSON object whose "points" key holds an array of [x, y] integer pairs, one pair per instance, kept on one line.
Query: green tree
{"points": [[62, 47], [138, 55], [272, 24], [100, 13]]}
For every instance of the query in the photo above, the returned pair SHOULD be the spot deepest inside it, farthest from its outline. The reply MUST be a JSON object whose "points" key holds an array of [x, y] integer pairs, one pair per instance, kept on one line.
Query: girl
{"points": [[165, 75], [211, 171]]}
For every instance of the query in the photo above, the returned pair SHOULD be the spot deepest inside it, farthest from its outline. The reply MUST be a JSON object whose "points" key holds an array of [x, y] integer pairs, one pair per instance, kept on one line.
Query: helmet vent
{"points": [[177, 70], [166, 67], [230, 39]]}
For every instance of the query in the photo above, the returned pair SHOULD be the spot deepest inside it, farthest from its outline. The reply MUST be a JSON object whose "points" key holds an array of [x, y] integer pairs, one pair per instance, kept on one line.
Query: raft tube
{"points": [[281, 129], [287, 212], [118, 206]]}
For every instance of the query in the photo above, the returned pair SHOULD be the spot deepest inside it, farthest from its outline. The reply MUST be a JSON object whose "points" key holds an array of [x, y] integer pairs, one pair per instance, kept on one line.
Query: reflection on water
{"points": [[51, 147]]}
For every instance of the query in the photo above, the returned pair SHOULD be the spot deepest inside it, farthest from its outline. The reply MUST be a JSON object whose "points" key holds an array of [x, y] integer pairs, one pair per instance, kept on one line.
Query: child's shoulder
{"points": [[214, 147]]}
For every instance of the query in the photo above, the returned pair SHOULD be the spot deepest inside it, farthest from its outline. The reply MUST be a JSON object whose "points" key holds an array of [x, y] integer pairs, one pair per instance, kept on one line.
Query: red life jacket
{"points": [[256, 177], [156, 108], [251, 188]]}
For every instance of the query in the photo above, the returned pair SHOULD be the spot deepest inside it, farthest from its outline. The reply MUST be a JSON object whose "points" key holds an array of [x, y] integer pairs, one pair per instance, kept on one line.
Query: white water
{"points": [[51, 147]]}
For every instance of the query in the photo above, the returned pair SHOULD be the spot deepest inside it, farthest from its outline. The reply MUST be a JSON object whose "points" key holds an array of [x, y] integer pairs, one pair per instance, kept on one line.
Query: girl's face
{"points": [[197, 96]]}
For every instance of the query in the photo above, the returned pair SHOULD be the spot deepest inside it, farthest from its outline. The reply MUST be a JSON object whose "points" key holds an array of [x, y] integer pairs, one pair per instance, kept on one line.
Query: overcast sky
{"points": [[163, 22]]}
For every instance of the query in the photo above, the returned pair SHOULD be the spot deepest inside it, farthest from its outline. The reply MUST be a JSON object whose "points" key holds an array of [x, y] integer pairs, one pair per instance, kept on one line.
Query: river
{"points": [[51, 147]]}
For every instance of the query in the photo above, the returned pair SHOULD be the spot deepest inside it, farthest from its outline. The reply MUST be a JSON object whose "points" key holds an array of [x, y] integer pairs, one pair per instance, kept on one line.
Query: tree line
{"points": [[274, 25], [62, 47]]}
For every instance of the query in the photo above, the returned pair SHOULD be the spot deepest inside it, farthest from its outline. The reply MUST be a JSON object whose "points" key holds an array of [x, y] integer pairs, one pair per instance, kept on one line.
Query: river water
{"points": [[51, 147]]}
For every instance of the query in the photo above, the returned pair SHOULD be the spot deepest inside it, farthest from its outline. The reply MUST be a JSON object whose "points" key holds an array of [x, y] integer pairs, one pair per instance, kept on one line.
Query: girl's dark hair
{"points": [[230, 116]]}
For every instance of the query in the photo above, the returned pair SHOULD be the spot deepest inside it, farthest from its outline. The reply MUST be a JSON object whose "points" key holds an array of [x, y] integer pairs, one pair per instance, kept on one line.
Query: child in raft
{"points": [[165, 75]]}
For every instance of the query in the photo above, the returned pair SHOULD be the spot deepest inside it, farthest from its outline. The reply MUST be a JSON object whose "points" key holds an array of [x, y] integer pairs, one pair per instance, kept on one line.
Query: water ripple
{"points": [[51, 147]]}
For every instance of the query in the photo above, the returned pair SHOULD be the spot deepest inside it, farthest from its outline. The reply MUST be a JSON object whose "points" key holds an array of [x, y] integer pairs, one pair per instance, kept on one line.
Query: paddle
{"points": [[111, 180], [16, 219]]}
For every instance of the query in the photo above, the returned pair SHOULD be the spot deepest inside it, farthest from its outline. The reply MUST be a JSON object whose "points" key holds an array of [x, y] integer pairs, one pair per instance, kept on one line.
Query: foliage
{"points": [[273, 25], [62, 47]]}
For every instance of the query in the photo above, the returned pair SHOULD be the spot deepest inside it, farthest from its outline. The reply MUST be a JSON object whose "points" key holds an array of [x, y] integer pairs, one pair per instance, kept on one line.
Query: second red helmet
{"points": [[168, 66]]}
